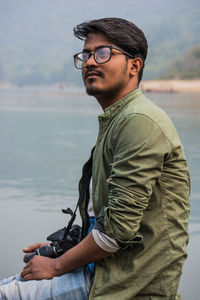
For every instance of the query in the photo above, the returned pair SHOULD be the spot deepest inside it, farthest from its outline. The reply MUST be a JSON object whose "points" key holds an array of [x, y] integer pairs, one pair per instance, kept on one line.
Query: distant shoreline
{"points": [[152, 86], [171, 86]]}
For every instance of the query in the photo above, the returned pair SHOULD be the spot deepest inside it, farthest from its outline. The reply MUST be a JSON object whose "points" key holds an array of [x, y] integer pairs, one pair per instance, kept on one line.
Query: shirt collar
{"points": [[114, 109]]}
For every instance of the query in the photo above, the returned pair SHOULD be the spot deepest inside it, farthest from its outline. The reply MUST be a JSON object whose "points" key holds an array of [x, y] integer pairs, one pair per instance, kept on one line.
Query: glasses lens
{"points": [[81, 59], [102, 54]]}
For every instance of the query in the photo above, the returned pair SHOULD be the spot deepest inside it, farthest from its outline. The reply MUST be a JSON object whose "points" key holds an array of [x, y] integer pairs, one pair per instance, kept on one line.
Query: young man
{"points": [[140, 186]]}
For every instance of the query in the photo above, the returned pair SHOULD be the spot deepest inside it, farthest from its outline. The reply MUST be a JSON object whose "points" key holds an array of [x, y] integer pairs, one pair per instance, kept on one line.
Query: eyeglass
{"points": [[101, 55]]}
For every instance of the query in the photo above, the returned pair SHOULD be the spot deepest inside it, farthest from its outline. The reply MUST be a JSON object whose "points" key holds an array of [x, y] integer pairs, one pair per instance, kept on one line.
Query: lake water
{"points": [[46, 134]]}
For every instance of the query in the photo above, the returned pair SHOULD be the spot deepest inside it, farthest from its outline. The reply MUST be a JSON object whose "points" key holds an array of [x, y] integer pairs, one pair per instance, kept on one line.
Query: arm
{"points": [[139, 150], [86, 251]]}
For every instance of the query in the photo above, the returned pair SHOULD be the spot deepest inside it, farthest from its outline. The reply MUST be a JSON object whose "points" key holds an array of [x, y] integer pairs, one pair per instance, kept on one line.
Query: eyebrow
{"points": [[87, 50]]}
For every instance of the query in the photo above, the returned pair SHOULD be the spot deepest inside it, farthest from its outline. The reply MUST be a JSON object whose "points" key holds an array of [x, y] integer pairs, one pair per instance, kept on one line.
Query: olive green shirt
{"points": [[141, 199]]}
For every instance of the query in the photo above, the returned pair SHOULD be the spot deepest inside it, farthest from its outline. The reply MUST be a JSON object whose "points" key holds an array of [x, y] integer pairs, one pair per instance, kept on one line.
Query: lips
{"points": [[92, 74]]}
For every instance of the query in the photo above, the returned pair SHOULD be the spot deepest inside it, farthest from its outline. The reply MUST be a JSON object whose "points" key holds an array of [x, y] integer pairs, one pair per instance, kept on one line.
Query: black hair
{"points": [[123, 33]]}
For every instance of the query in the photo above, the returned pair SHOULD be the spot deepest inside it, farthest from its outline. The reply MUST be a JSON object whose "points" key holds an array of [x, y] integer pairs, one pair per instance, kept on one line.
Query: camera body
{"points": [[61, 241]]}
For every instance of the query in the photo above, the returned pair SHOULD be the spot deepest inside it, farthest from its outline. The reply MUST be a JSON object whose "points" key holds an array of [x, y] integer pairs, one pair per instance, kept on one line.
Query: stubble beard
{"points": [[93, 91], [99, 93]]}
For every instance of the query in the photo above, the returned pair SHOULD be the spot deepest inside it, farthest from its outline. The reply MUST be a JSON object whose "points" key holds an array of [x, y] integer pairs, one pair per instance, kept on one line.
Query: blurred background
{"points": [[37, 42], [48, 124]]}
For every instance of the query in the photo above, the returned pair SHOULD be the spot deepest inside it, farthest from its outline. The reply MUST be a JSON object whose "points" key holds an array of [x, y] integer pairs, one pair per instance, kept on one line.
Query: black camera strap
{"points": [[83, 190]]}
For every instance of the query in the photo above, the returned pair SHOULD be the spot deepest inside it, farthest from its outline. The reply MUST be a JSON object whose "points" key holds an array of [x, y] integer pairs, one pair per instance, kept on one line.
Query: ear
{"points": [[135, 65]]}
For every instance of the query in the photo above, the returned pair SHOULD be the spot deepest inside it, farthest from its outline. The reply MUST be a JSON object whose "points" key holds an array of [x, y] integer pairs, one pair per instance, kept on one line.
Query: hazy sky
{"points": [[39, 32]]}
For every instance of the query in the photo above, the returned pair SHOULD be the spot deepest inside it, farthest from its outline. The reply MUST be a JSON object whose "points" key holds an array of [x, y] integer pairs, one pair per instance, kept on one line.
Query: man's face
{"points": [[108, 79]]}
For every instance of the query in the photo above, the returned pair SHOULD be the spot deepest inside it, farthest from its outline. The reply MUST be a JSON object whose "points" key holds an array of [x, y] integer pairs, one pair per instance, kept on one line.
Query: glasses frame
{"points": [[90, 53]]}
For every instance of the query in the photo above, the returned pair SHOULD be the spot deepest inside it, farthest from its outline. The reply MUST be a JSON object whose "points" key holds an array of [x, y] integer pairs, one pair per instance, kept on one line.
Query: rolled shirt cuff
{"points": [[105, 242]]}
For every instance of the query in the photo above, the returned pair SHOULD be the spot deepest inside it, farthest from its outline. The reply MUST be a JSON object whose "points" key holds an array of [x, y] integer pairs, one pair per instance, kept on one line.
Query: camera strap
{"points": [[83, 190]]}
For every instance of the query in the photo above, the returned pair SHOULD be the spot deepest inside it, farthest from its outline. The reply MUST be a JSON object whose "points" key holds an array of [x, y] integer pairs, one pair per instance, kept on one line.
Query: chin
{"points": [[93, 91]]}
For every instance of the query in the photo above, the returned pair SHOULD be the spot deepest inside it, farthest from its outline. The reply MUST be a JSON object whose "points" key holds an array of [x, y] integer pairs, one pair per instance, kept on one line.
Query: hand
{"points": [[40, 267], [30, 249]]}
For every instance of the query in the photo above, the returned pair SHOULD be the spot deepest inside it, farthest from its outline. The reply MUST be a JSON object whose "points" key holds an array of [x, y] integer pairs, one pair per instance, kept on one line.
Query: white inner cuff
{"points": [[105, 242]]}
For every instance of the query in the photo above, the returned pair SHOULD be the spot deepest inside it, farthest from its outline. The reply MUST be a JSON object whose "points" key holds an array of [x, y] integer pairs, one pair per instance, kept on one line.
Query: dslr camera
{"points": [[60, 241]]}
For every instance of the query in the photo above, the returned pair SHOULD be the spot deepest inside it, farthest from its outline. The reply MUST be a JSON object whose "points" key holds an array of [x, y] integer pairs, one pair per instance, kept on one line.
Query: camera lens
{"points": [[47, 250]]}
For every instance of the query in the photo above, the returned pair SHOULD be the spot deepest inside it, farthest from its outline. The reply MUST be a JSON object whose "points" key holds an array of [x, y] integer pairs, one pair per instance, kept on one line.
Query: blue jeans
{"points": [[74, 286]]}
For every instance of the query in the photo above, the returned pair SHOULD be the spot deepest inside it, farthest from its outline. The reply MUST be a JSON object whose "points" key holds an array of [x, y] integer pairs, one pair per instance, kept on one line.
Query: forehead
{"points": [[96, 39]]}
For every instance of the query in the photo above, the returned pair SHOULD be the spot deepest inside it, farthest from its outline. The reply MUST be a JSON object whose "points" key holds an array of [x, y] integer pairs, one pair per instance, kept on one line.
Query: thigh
{"points": [[74, 285]]}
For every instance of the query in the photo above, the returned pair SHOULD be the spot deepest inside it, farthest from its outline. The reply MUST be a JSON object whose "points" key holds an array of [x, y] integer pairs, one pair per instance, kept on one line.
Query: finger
{"points": [[31, 248], [27, 267], [26, 271], [28, 277]]}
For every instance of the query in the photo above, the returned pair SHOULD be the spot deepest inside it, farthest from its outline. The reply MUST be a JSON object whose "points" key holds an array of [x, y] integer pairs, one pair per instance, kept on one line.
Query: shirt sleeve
{"points": [[105, 242], [139, 150]]}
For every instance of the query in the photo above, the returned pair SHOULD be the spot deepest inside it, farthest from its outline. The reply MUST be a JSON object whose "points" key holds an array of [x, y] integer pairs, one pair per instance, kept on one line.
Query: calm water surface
{"points": [[46, 135]]}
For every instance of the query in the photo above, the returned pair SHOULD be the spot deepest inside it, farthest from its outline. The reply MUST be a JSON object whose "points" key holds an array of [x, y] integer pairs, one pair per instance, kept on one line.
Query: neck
{"points": [[107, 99]]}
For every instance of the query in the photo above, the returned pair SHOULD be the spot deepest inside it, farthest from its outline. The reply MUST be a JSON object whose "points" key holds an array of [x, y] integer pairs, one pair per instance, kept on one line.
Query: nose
{"points": [[91, 61]]}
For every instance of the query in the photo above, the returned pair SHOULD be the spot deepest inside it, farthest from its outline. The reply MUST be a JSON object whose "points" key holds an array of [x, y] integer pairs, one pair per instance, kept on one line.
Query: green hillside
{"points": [[37, 42], [187, 67]]}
